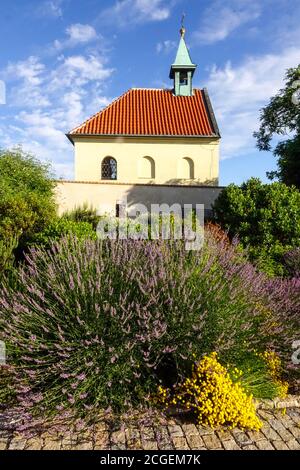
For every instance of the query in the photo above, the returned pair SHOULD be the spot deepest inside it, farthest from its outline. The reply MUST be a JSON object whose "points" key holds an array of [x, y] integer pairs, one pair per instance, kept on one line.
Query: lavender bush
{"points": [[98, 324]]}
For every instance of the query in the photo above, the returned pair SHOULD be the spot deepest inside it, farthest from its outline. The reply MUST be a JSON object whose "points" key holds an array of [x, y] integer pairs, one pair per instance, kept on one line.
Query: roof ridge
{"points": [[159, 89], [151, 89], [101, 111]]}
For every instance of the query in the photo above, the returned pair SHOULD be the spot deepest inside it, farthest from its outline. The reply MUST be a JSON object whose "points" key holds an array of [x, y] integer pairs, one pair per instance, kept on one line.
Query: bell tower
{"points": [[182, 70]]}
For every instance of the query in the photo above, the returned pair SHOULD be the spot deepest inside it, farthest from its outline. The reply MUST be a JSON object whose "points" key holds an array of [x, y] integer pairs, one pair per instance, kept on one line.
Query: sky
{"points": [[64, 60]]}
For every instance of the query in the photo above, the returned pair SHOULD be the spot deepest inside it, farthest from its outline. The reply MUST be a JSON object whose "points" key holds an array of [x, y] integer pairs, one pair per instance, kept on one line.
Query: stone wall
{"points": [[104, 196]]}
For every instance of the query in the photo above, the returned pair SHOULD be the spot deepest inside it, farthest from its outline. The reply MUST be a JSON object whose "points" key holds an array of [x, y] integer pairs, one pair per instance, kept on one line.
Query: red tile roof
{"points": [[153, 112]]}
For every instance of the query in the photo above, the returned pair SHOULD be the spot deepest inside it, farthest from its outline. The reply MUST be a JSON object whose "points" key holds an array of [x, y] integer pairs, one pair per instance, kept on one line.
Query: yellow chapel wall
{"points": [[171, 156], [103, 196]]}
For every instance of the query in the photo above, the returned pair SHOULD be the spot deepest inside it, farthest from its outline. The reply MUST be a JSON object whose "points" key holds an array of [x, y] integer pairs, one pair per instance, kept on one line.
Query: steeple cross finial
{"points": [[182, 20], [182, 29]]}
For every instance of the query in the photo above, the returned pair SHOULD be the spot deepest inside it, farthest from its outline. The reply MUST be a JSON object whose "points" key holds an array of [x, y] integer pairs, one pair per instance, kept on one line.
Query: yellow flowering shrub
{"points": [[213, 396], [275, 369]]}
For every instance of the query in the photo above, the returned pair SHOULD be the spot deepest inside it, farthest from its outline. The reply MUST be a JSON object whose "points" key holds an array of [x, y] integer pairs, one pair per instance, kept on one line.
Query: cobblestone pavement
{"points": [[280, 431]]}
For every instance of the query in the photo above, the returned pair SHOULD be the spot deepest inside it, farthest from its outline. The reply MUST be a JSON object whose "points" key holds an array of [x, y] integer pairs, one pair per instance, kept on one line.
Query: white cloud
{"points": [[78, 70], [238, 93], [50, 8], [2, 92], [127, 12], [30, 70], [165, 46], [81, 33], [45, 102], [77, 34], [222, 17], [26, 78]]}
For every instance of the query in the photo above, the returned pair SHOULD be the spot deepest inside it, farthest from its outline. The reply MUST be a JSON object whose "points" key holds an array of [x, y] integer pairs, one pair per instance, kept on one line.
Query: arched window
{"points": [[146, 168], [109, 169], [186, 169]]}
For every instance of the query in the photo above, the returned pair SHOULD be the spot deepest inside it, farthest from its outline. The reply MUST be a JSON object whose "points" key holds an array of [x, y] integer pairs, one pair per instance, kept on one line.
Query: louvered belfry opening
{"points": [[109, 169]]}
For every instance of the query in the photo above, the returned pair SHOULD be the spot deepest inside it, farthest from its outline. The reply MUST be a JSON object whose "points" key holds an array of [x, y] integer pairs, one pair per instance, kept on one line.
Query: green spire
{"points": [[183, 58], [182, 70]]}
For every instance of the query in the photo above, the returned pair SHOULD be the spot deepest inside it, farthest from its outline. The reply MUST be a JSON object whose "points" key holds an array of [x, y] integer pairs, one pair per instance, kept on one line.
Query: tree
{"points": [[265, 217], [27, 202], [282, 116]]}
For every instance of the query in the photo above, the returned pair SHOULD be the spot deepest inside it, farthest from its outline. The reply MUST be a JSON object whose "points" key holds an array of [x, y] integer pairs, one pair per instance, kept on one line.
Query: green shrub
{"points": [[62, 227], [265, 217], [83, 213], [257, 378], [27, 202], [7, 259]]}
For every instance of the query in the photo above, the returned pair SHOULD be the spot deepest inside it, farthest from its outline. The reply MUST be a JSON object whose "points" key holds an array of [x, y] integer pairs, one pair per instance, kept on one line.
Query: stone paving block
{"points": [[281, 430], [212, 442], [287, 421], [230, 444], [100, 427], [294, 414], [270, 434], [204, 431], [175, 431], [295, 431], [250, 447], [194, 441], [290, 402], [3, 444], [68, 438], [267, 403], [134, 445], [293, 444], [255, 435], [242, 439], [132, 434], [180, 443], [165, 446], [264, 445], [276, 424], [190, 430], [101, 440], [265, 414], [147, 433], [52, 444], [280, 445], [118, 437], [133, 438], [17, 443], [88, 445], [118, 447], [150, 445], [224, 435], [34, 443], [163, 438]]}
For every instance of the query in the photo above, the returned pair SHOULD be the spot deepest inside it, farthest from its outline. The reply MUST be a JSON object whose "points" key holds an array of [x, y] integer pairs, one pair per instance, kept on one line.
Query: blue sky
{"points": [[63, 60]]}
